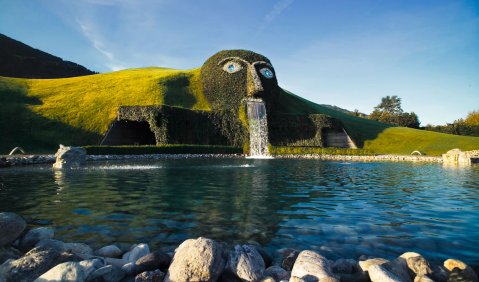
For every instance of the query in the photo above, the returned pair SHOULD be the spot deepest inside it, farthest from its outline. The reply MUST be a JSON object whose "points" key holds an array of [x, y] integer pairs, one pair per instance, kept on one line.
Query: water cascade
{"points": [[258, 128]]}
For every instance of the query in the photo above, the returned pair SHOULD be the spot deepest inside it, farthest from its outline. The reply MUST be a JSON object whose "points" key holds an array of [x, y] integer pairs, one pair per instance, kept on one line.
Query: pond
{"points": [[337, 208]]}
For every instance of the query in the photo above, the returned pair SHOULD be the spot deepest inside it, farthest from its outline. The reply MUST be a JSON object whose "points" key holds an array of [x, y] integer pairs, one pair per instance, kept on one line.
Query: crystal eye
{"points": [[266, 72], [232, 67]]}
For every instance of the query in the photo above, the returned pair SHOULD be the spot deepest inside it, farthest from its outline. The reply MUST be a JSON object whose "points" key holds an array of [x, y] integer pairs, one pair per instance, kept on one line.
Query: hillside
{"points": [[38, 114], [20, 60]]}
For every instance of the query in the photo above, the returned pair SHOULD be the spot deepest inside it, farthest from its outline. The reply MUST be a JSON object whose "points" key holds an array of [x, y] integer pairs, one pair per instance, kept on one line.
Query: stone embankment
{"points": [[33, 255], [376, 158], [24, 160]]}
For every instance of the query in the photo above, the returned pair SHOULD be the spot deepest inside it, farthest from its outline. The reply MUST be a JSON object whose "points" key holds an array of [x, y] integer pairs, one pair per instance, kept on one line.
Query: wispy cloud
{"points": [[92, 35], [275, 12]]}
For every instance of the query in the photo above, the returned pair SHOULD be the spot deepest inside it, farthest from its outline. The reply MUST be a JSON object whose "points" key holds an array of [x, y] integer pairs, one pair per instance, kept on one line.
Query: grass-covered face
{"points": [[230, 76]]}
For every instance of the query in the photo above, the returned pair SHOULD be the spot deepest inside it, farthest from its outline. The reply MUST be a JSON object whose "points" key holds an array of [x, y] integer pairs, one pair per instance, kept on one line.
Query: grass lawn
{"points": [[403, 141]]}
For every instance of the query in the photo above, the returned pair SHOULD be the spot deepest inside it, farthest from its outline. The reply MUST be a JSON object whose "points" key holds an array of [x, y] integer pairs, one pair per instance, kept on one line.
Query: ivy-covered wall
{"points": [[300, 130], [171, 125], [228, 78]]}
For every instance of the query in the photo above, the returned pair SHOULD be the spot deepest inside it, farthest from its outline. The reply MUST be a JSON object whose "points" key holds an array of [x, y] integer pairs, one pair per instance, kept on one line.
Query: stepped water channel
{"points": [[258, 128]]}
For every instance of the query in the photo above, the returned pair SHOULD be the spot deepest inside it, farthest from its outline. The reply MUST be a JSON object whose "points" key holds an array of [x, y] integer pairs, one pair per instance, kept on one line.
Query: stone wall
{"points": [[156, 125]]}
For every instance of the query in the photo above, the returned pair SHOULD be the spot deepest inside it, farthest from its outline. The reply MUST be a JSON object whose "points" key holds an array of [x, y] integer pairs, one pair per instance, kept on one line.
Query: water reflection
{"points": [[340, 209]]}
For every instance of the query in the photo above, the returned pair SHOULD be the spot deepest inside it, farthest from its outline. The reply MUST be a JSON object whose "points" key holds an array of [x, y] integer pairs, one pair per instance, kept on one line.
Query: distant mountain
{"points": [[20, 60]]}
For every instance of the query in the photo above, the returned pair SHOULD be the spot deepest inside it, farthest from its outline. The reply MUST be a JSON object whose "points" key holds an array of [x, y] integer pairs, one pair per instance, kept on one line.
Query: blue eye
{"points": [[266, 72], [232, 67]]}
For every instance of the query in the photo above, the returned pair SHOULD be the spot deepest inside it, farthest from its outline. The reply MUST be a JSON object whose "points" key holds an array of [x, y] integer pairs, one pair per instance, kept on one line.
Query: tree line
{"points": [[390, 111]]}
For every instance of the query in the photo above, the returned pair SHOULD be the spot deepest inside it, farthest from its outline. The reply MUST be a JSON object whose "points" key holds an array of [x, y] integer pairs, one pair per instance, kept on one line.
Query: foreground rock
{"points": [[153, 261], [310, 265], [150, 276], [33, 236], [67, 271], [196, 260], [277, 273], [379, 273], [459, 271], [110, 251], [7, 253], [11, 226], [246, 263], [69, 157], [33, 264]]}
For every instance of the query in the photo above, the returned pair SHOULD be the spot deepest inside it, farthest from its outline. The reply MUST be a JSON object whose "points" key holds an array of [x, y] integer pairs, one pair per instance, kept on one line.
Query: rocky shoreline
{"points": [[32, 254], [25, 160], [376, 158]]}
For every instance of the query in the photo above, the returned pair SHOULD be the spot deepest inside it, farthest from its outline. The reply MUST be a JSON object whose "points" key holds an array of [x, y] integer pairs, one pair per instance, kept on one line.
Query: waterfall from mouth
{"points": [[258, 128]]}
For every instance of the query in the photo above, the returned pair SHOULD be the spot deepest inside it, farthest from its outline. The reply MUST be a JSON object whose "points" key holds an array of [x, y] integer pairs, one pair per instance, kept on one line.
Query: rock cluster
{"points": [[20, 160], [33, 255]]}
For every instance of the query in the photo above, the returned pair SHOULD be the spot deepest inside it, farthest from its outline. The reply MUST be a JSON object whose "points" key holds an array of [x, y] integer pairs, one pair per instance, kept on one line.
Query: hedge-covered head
{"points": [[229, 76]]}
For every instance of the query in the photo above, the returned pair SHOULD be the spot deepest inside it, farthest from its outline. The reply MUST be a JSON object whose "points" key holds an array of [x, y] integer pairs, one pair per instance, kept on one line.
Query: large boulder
{"points": [[33, 264], [277, 273], [379, 273], [311, 266], [417, 264], [246, 263], [136, 252], [459, 271], [289, 258], [155, 260], [69, 157], [11, 226], [7, 253], [110, 251], [150, 276], [35, 235], [65, 272], [196, 260]]}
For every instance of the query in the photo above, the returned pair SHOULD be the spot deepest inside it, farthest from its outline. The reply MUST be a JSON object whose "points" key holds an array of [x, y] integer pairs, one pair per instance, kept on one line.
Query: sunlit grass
{"points": [[402, 140], [91, 102]]}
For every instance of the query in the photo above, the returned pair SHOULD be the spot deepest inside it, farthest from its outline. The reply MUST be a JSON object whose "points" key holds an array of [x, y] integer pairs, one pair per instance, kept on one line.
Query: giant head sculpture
{"points": [[230, 76]]}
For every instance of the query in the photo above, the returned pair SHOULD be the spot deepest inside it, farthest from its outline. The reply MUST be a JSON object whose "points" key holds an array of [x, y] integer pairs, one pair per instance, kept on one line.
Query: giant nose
{"points": [[255, 86]]}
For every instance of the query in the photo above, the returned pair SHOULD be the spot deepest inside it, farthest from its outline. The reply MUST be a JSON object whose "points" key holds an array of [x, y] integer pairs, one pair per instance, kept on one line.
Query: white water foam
{"points": [[125, 167]]}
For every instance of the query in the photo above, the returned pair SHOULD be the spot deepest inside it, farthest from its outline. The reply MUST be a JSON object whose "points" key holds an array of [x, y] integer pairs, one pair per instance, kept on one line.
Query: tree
{"points": [[390, 105], [390, 111], [472, 118]]}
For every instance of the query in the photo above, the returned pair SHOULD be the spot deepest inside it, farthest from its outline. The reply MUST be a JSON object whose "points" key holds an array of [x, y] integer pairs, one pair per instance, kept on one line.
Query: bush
{"points": [[318, 150]]}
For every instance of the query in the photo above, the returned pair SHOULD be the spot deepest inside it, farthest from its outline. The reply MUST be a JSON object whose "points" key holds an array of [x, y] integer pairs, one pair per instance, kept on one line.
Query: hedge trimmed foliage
{"points": [[171, 125], [318, 151], [225, 90], [162, 149], [300, 130]]}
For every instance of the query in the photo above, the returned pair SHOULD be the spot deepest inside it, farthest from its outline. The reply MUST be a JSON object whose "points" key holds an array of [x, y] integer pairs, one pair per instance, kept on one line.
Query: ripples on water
{"points": [[339, 209]]}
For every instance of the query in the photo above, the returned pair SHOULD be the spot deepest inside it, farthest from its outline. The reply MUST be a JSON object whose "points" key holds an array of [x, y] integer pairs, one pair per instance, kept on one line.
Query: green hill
{"points": [[39, 114], [20, 60]]}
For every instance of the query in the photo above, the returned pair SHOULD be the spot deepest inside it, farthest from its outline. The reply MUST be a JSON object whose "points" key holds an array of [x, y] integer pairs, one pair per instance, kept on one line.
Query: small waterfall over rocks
{"points": [[258, 128]]}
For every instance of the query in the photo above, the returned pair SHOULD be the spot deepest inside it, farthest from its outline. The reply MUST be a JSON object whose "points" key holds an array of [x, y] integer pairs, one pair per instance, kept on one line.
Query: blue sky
{"points": [[347, 53]]}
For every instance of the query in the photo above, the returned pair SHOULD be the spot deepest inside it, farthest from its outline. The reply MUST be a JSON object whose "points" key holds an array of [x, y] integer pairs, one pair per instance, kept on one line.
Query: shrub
{"points": [[318, 150]]}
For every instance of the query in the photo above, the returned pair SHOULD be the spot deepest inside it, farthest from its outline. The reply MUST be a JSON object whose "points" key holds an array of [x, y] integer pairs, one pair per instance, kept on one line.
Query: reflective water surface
{"points": [[340, 209]]}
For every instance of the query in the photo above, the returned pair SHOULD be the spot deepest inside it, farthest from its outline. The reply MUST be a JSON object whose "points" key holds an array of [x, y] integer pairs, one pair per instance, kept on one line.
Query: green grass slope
{"points": [[39, 114], [403, 140]]}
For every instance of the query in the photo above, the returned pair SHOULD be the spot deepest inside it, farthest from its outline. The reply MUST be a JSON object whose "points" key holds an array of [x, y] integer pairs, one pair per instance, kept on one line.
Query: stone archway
{"points": [[126, 132]]}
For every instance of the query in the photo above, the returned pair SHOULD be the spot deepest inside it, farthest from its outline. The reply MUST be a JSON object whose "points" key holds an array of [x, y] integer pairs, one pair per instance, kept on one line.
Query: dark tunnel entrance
{"points": [[125, 132]]}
